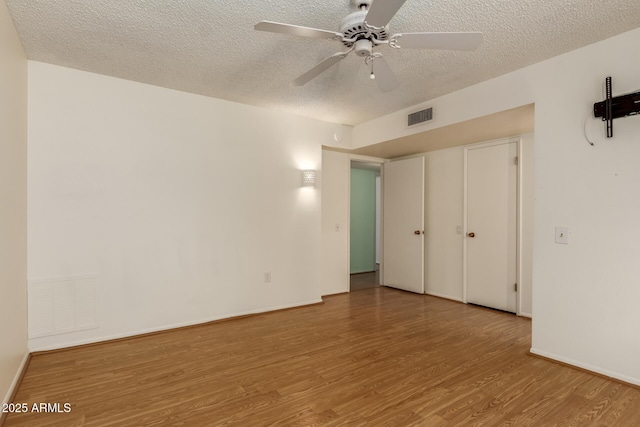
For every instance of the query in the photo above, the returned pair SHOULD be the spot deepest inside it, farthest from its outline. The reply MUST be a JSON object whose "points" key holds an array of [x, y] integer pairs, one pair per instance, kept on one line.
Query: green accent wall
{"points": [[363, 221]]}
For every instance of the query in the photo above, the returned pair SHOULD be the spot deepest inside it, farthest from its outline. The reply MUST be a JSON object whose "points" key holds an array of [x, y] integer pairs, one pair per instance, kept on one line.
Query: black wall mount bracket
{"points": [[616, 107]]}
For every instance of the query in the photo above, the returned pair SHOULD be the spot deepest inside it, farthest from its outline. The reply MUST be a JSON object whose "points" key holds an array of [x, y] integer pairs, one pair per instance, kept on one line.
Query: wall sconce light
{"points": [[309, 178]]}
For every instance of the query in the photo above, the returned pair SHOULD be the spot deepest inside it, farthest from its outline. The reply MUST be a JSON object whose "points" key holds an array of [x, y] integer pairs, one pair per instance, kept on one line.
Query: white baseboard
{"points": [[169, 327], [529, 315], [435, 294], [336, 293], [588, 367], [16, 378]]}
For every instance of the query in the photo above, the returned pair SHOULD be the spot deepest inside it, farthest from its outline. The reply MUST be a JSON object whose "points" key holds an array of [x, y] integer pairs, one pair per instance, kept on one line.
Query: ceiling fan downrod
{"points": [[361, 4]]}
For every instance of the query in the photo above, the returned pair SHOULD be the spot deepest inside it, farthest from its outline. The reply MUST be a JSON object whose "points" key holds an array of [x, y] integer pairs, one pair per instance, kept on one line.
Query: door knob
{"points": [[417, 232], [472, 235]]}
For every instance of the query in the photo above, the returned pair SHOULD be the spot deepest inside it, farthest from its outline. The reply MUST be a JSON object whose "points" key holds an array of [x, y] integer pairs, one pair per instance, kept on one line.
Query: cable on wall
{"points": [[584, 128]]}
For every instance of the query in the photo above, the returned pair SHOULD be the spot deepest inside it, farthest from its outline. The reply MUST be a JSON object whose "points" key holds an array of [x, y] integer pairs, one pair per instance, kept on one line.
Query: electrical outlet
{"points": [[562, 235], [267, 277]]}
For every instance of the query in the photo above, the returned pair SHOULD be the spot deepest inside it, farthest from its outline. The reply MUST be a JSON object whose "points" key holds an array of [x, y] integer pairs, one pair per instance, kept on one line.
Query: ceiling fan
{"points": [[366, 29]]}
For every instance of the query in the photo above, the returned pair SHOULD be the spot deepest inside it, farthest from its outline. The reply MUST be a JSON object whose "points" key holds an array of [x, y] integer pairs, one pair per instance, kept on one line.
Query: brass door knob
{"points": [[472, 235], [417, 232]]}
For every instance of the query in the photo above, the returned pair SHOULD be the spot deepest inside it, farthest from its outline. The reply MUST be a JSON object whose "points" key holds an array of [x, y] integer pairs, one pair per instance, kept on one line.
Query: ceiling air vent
{"points": [[420, 116]]}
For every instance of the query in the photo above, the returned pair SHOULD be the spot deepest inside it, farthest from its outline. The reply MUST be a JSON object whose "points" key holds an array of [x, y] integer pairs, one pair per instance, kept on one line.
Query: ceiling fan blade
{"points": [[446, 41], [381, 12], [319, 69], [296, 30], [385, 77]]}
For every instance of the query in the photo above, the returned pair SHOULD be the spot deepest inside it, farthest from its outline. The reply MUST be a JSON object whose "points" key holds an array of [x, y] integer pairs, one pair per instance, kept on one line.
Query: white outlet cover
{"points": [[562, 235]]}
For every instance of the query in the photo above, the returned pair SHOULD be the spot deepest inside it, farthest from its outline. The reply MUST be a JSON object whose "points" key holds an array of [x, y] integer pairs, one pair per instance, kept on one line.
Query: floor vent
{"points": [[421, 116]]}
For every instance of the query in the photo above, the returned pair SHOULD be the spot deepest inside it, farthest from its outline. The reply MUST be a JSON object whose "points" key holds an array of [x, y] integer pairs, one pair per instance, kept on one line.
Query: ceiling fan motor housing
{"points": [[353, 27]]}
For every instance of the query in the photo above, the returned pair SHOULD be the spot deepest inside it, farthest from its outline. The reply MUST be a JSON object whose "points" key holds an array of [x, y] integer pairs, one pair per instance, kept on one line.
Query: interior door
{"points": [[403, 224], [492, 226]]}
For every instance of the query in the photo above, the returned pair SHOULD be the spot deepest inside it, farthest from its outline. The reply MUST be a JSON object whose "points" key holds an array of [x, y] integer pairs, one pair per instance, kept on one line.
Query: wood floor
{"points": [[376, 357], [368, 280]]}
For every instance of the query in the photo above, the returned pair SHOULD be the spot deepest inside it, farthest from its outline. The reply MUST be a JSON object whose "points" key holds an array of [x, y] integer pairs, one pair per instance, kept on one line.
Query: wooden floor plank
{"points": [[377, 356]]}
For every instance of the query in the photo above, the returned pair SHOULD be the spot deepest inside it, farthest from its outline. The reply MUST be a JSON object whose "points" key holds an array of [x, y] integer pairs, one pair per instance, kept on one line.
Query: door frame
{"points": [[375, 161], [519, 151]]}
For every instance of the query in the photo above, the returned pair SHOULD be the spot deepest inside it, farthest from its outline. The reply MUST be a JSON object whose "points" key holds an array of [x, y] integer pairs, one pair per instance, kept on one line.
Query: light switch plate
{"points": [[562, 235]]}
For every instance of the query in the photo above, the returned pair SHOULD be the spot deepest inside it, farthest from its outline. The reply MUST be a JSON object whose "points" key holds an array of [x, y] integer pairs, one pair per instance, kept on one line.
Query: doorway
{"points": [[364, 229]]}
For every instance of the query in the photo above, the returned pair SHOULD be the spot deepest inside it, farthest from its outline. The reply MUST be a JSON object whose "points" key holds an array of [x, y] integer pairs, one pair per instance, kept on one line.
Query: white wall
{"points": [[13, 204], [378, 219], [178, 203], [336, 168], [466, 104], [527, 200], [585, 293]]}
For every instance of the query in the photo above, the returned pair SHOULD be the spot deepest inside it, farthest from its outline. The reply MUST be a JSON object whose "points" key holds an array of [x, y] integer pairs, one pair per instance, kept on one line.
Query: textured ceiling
{"points": [[210, 47]]}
